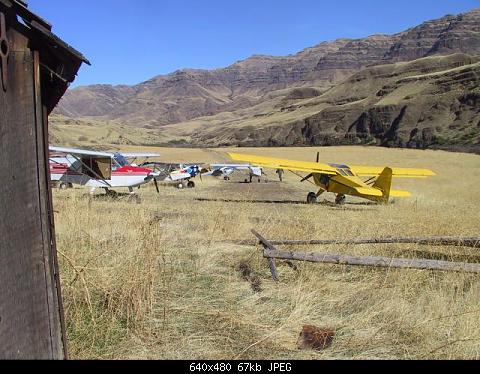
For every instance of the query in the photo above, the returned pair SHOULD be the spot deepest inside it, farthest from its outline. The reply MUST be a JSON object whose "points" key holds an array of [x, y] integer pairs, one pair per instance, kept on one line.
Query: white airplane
{"points": [[69, 166], [178, 174], [226, 170]]}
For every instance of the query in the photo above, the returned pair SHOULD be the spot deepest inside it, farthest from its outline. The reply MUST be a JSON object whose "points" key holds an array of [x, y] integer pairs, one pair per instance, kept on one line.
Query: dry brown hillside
{"points": [[430, 101]]}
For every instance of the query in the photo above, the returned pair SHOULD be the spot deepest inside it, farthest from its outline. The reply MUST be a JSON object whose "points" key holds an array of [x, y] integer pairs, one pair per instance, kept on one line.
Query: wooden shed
{"points": [[36, 68]]}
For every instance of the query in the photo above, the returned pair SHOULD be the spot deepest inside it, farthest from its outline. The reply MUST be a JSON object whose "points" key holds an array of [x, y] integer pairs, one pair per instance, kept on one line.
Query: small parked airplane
{"points": [[343, 180], [93, 169], [180, 174], [226, 170]]}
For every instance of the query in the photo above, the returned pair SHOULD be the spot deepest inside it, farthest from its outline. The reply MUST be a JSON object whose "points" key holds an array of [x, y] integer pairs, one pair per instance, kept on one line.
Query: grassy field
{"points": [[161, 279]]}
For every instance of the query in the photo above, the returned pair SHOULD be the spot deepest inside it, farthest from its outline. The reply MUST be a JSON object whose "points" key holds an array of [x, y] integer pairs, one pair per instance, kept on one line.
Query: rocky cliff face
{"points": [[433, 101], [259, 83], [443, 36]]}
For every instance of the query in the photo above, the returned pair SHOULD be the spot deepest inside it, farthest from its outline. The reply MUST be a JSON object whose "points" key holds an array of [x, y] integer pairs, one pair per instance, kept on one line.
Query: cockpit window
{"points": [[120, 160], [346, 172]]}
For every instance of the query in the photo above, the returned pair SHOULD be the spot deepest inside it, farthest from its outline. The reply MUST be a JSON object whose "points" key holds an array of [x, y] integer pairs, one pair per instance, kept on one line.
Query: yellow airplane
{"points": [[343, 180]]}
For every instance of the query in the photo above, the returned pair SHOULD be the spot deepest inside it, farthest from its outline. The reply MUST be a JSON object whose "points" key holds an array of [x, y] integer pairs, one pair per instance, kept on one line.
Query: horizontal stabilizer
{"points": [[398, 193], [368, 191]]}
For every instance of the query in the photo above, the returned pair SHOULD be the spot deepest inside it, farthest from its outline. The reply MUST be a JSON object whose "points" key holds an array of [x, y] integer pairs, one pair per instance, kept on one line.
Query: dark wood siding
{"points": [[30, 310]]}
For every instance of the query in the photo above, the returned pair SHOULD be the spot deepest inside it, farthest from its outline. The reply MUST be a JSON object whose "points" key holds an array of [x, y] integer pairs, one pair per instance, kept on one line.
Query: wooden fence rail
{"points": [[271, 253], [473, 242]]}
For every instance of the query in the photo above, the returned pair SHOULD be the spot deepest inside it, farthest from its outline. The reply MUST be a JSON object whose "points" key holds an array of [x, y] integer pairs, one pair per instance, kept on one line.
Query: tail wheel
{"points": [[312, 198], [191, 184]]}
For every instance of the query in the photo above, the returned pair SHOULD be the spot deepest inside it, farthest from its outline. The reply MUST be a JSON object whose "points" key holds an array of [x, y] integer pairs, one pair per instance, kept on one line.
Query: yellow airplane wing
{"points": [[368, 171], [277, 163]]}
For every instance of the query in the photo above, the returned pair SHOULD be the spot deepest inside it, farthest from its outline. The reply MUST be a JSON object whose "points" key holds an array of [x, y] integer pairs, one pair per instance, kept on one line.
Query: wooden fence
{"points": [[271, 253]]}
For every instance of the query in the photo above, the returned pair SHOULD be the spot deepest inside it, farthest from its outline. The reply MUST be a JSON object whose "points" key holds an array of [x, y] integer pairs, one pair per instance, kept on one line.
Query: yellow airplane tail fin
{"points": [[384, 183]]}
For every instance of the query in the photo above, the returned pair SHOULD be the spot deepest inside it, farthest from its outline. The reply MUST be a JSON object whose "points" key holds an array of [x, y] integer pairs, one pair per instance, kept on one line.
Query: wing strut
{"points": [[91, 170], [303, 179]]}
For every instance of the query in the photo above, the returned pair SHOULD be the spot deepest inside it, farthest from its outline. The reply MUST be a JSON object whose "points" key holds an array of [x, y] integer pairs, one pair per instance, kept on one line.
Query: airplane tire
{"points": [[63, 186], [340, 200], [191, 184], [312, 198], [180, 186], [112, 194]]}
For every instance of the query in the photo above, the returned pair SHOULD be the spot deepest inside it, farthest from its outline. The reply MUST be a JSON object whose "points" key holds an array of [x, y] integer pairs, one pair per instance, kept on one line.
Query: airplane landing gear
{"points": [[191, 184], [65, 185], [110, 193], [312, 198], [340, 199]]}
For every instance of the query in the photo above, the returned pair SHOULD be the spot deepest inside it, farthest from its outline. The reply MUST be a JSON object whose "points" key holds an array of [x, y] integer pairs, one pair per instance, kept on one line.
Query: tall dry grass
{"points": [[161, 280]]}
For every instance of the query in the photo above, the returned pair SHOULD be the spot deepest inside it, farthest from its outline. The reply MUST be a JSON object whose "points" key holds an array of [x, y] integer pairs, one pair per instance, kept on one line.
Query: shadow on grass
{"points": [[346, 206], [116, 197]]}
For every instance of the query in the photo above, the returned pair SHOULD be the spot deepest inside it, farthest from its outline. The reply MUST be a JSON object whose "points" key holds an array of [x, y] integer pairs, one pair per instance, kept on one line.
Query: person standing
{"points": [[280, 174]]}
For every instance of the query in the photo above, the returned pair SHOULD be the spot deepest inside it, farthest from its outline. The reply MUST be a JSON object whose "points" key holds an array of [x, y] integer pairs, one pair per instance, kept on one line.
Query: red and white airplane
{"points": [[69, 166]]}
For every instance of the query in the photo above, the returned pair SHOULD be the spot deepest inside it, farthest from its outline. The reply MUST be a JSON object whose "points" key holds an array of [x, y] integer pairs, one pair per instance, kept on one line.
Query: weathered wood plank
{"points": [[271, 261], [27, 299], [473, 242], [57, 330], [375, 261], [273, 267], [23, 307], [37, 68], [271, 252]]}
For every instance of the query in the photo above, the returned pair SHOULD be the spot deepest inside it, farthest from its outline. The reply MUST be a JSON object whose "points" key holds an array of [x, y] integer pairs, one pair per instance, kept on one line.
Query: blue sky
{"points": [[131, 41]]}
